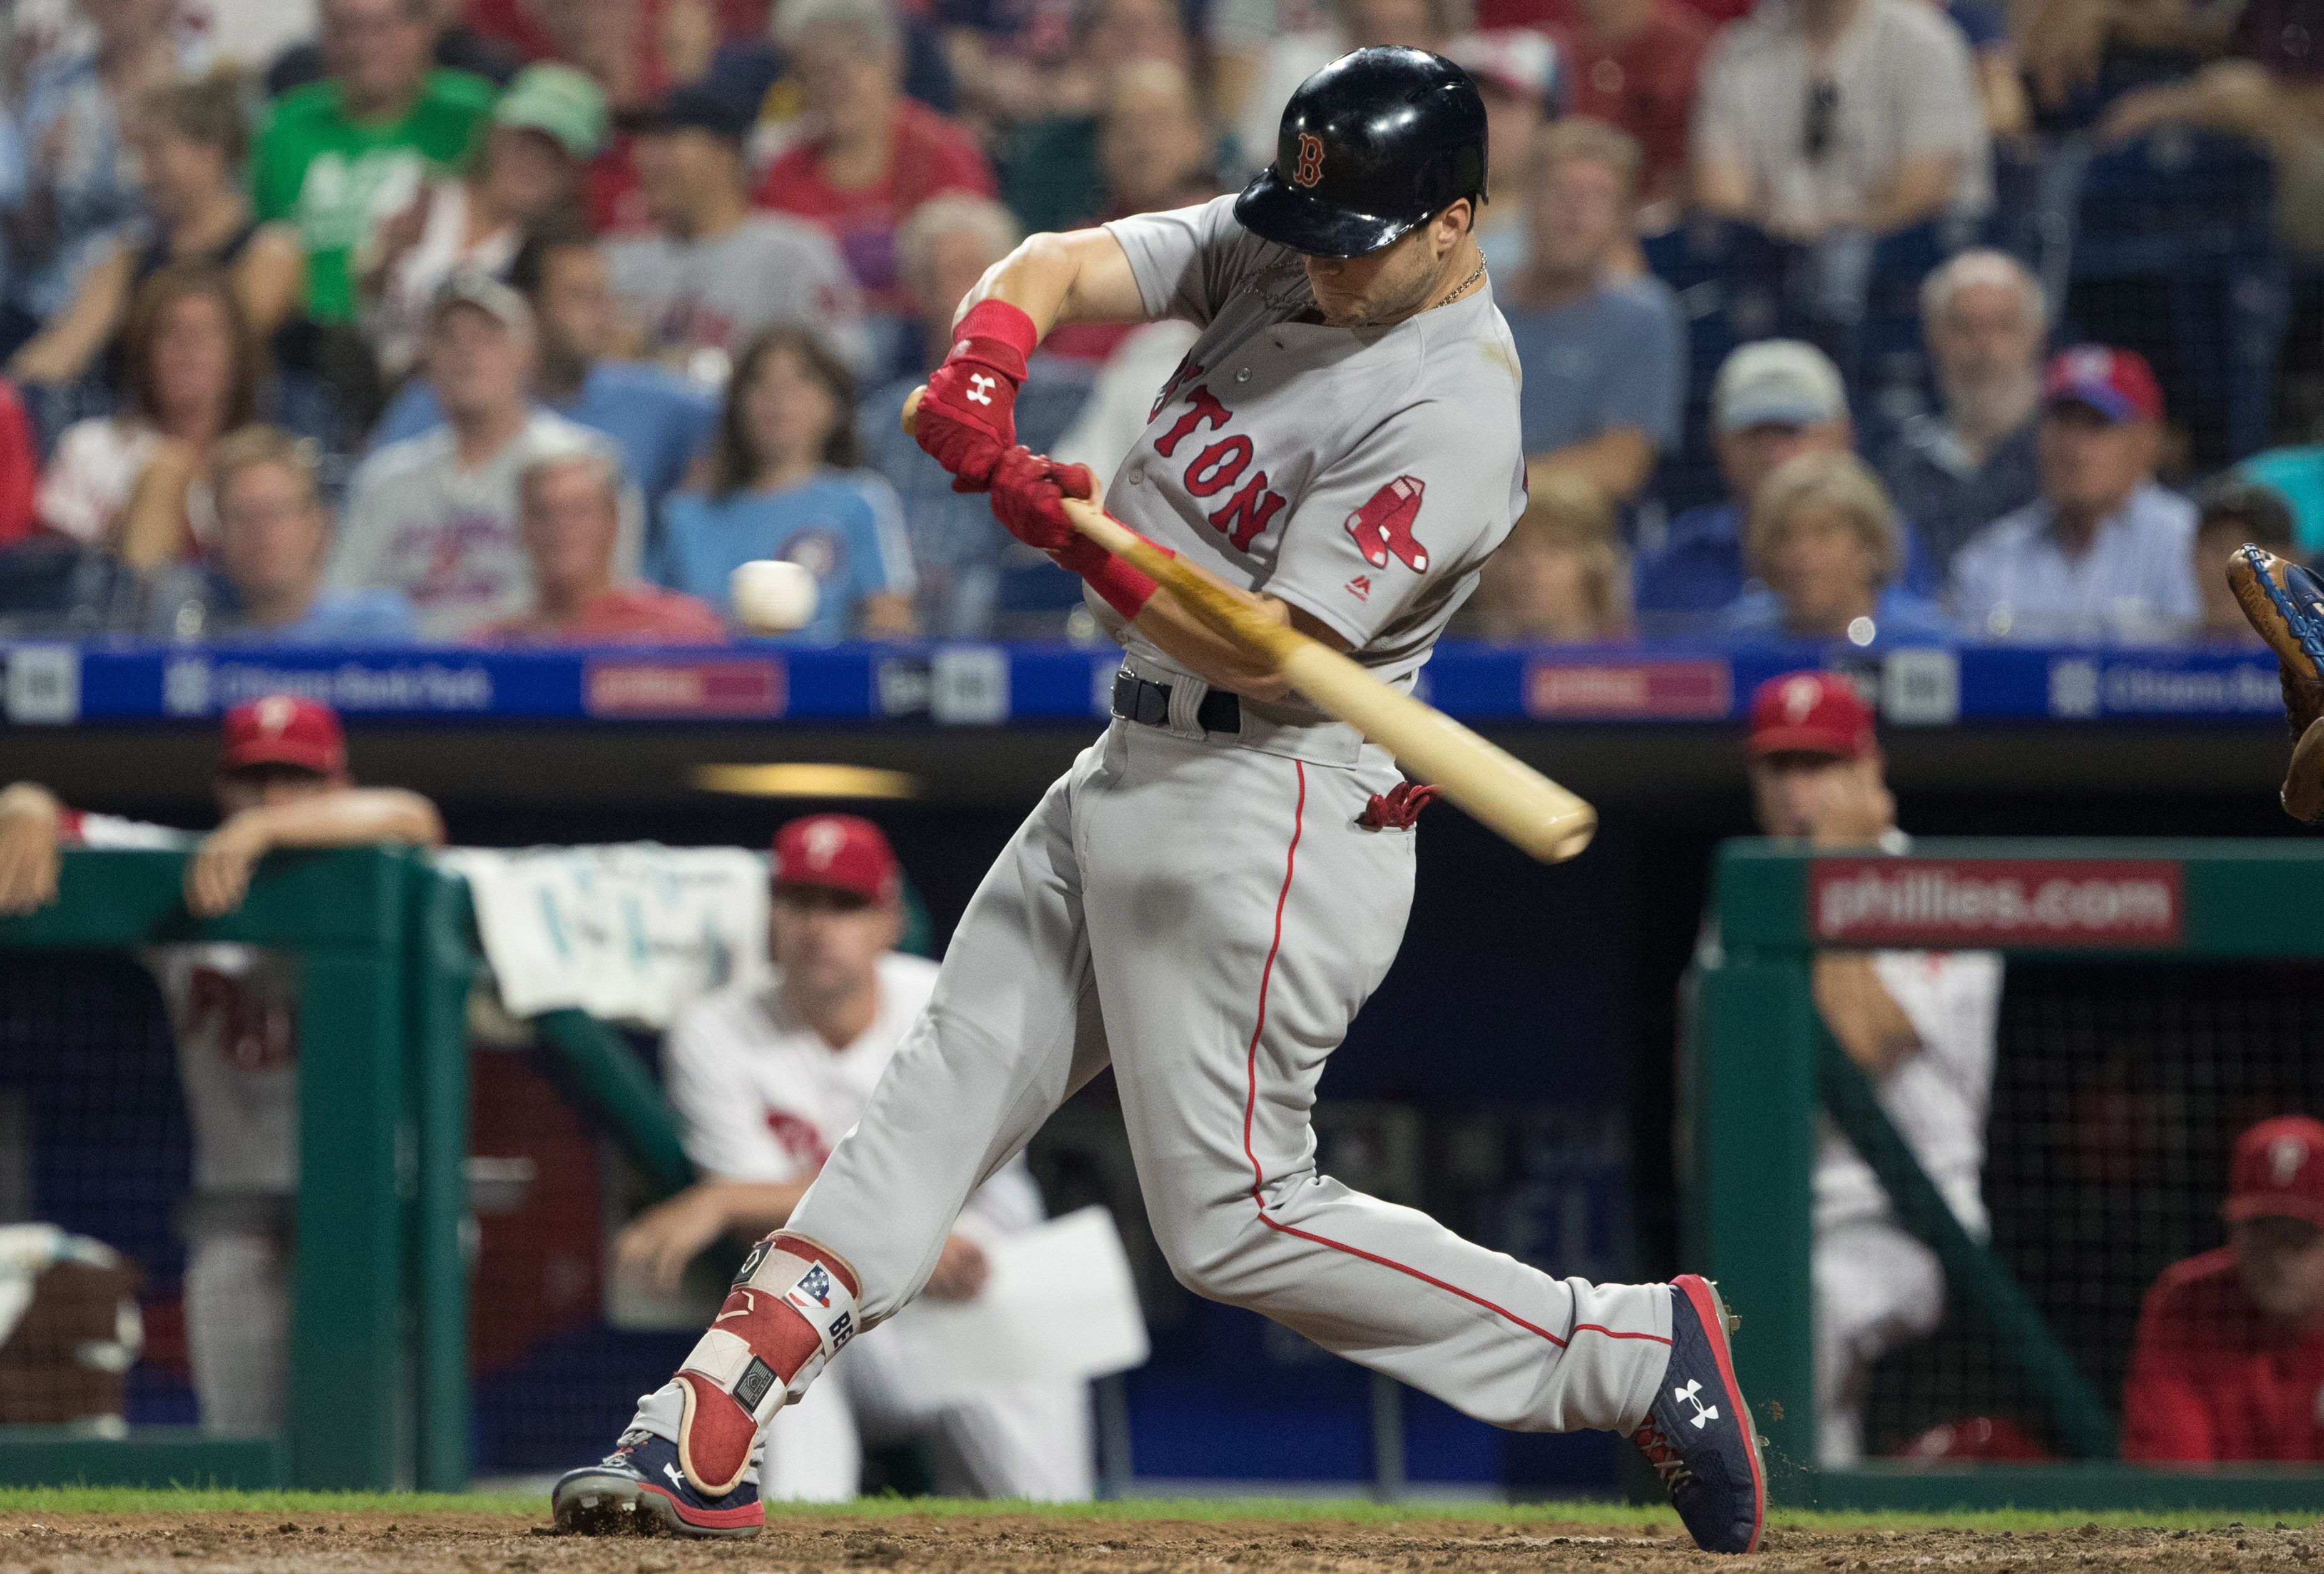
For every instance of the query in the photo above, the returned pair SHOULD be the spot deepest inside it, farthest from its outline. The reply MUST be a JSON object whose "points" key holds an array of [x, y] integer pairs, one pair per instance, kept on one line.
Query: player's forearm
{"points": [[32, 799], [1081, 276], [1861, 1013], [357, 817]]}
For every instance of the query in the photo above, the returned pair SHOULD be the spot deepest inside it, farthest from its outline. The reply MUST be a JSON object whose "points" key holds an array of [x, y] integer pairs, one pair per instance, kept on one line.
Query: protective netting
{"points": [[2118, 1092]]}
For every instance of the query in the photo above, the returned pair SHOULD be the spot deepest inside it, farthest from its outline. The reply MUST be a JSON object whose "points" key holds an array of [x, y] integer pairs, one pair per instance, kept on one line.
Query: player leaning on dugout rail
{"points": [[1209, 895], [281, 782]]}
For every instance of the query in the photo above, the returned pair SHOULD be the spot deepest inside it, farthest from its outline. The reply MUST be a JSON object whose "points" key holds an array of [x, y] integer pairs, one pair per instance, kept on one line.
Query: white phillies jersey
{"points": [[1362, 476], [763, 1097], [234, 1012], [1937, 1099]]}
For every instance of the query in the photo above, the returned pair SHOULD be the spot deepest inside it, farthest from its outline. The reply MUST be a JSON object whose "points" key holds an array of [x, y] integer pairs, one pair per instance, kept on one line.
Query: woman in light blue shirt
{"points": [[785, 483]]}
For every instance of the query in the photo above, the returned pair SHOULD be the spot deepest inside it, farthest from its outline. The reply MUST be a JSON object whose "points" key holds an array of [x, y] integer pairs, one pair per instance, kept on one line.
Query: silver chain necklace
{"points": [[1458, 289]]}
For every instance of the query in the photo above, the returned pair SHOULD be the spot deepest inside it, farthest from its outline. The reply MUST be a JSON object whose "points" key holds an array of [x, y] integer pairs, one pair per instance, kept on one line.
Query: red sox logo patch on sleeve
{"points": [[1383, 526]]}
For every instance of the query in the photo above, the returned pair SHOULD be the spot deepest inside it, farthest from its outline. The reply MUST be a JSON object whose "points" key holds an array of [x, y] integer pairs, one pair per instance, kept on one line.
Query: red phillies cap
{"points": [[2278, 1171], [1810, 712], [840, 852], [2116, 383], [284, 730]]}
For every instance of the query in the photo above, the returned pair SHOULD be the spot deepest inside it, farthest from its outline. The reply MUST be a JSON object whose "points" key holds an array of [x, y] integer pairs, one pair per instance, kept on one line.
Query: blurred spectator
{"points": [[248, 34], [1956, 470], [865, 156], [545, 130], [436, 515], [1239, 34], [1772, 398], [718, 274], [281, 781], [2233, 513], [457, 47], [1603, 351], [1993, 55], [263, 582], [1920, 1024], [2229, 1355], [1023, 61], [1351, 25], [784, 483], [2104, 551], [957, 546], [190, 138], [1633, 64], [1827, 548], [68, 178], [20, 468], [342, 154], [660, 420], [1516, 69], [1149, 149], [1561, 577], [137, 483], [572, 510], [2297, 475], [1819, 116]]}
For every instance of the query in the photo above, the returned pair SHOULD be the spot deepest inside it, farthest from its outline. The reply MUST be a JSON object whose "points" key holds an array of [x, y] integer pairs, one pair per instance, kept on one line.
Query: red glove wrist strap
{"points": [[997, 334], [1120, 583]]}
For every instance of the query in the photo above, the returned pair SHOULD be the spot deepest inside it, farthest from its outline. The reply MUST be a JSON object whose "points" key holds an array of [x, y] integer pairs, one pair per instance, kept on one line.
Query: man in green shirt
{"points": [[339, 155]]}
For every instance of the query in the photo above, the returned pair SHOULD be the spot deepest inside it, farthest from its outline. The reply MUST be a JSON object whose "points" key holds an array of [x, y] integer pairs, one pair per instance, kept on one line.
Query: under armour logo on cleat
{"points": [[981, 387], [1704, 1415]]}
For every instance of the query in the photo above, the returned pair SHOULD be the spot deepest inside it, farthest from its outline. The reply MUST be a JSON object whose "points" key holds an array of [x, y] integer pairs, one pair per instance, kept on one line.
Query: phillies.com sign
{"points": [[1955, 903]]}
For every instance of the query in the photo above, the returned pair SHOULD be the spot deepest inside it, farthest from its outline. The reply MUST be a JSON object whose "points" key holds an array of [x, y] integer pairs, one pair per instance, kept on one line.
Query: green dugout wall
{"points": [[379, 1377], [1758, 1065]]}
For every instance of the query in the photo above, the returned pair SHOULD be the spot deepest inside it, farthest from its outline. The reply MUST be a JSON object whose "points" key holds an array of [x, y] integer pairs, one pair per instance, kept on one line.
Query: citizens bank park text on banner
{"points": [[2043, 904]]}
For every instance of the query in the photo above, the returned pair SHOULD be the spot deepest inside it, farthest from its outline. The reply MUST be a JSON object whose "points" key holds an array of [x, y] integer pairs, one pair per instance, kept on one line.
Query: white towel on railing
{"points": [[628, 933]]}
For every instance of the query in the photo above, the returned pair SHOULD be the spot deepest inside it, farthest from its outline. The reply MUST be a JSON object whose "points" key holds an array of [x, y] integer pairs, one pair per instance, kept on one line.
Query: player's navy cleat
{"points": [[638, 1489], [1699, 1435]]}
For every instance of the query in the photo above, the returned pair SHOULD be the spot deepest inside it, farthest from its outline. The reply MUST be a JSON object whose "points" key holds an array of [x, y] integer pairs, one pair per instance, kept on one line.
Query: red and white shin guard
{"points": [[792, 1307]]}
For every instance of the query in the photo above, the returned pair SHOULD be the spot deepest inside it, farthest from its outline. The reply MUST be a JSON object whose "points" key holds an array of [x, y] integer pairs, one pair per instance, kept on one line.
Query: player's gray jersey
{"points": [[1362, 476]]}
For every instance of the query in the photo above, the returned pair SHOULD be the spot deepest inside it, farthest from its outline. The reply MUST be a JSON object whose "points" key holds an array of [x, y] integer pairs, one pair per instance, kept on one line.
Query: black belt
{"points": [[1149, 704]]}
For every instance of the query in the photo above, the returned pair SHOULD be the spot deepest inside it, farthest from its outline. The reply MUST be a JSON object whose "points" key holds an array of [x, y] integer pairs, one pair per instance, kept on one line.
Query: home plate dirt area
{"points": [[1128, 1540]]}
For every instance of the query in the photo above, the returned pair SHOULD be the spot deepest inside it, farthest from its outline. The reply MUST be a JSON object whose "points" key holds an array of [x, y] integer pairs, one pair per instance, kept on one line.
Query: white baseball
{"points": [[772, 595]]}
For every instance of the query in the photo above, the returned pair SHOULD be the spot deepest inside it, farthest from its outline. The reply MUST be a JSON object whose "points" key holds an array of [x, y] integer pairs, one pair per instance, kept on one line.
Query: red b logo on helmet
{"points": [[1310, 168]]}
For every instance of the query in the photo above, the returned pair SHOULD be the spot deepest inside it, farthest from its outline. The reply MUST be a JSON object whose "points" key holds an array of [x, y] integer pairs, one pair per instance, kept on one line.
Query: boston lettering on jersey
{"points": [[1219, 467]]}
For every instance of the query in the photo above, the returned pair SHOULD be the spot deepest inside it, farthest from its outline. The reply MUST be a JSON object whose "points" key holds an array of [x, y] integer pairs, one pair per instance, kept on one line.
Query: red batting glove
{"points": [[1029, 496], [968, 418]]}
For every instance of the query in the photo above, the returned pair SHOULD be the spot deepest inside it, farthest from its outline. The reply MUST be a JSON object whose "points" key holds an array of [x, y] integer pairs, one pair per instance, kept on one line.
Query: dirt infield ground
{"points": [[890, 1542]]}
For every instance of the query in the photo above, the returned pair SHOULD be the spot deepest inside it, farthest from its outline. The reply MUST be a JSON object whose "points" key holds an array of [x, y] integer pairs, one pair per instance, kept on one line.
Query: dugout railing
{"points": [[1758, 1065], [378, 1390]]}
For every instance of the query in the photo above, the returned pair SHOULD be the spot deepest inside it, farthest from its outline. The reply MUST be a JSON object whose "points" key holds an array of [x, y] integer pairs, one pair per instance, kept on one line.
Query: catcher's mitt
{"points": [[2285, 603]]}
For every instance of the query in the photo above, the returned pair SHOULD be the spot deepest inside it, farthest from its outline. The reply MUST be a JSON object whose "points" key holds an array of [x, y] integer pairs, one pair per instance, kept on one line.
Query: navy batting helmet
{"points": [[1371, 145]]}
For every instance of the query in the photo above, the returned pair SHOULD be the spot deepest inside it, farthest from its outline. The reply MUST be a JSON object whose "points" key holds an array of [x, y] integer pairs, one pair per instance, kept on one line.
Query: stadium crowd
{"points": [[367, 321]]}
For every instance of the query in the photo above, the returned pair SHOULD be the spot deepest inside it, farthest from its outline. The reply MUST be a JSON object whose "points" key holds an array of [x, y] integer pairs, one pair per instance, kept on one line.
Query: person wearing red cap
{"points": [[2104, 552], [1919, 1024], [2229, 1363], [281, 782], [766, 1079]]}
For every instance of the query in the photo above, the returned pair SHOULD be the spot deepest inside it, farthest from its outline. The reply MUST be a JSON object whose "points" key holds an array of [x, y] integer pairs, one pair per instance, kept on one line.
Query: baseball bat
{"points": [[1509, 796]]}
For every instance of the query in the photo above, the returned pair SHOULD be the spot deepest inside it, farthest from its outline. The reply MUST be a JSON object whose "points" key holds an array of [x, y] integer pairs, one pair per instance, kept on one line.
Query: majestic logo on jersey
{"points": [[2285, 1154], [1310, 167], [1382, 528], [1704, 1415], [1360, 587], [1219, 467]]}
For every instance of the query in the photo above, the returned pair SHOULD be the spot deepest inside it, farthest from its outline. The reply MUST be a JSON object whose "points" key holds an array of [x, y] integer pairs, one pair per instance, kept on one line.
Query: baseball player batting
{"points": [[1208, 895]]}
